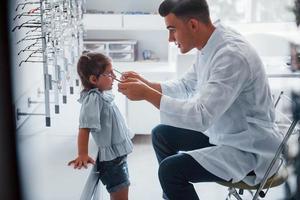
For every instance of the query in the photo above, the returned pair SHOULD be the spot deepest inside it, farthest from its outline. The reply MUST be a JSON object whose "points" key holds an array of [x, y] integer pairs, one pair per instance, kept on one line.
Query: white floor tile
{"points": [[46, 175], [45, 152]]}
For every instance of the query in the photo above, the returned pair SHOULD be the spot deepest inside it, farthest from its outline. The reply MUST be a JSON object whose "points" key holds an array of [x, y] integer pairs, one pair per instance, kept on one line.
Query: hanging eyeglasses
{"points": [[53, 36]]}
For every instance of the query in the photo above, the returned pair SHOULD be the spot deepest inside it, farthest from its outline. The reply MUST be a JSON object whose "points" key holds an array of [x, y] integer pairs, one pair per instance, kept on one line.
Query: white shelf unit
{"points": [[154, 40], [123, 22], [118, 50], [150, 33]]}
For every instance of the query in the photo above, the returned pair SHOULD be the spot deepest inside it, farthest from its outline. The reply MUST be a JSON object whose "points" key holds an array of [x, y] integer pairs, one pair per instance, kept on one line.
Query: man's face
{"points": [[180, 32]]}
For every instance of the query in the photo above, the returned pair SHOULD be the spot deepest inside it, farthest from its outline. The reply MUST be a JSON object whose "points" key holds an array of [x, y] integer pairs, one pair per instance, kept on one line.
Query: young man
{"points": [[218, 119]]}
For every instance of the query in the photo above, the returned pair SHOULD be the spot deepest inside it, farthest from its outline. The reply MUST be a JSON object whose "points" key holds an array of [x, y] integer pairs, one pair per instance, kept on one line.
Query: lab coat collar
{"points": [[214, 39]]}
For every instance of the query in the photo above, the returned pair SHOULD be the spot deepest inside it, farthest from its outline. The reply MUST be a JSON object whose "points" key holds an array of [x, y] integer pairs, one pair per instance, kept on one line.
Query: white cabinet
{"points": [[147, 29], [102, 22], [142, 116], [123, 22], [120, 100], [117, 50]]}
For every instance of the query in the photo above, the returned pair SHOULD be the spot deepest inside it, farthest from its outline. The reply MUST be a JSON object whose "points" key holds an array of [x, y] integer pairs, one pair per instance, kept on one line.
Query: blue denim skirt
{"points": [[114, 173]]}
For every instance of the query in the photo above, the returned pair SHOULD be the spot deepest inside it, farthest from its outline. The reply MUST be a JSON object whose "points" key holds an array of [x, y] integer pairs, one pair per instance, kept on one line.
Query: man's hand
{"points": [[134, 89], [133, 75], [137, 90], [82, 161]]}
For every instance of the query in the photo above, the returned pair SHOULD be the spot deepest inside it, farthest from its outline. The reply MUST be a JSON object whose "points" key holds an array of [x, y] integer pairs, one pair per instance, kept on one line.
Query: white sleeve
{"points": [[182, 87], [227, 79]]}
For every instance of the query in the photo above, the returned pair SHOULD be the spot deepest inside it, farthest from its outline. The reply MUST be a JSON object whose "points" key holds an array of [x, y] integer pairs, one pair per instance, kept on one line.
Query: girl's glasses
{"points": [[113, 75], [119, 73]]}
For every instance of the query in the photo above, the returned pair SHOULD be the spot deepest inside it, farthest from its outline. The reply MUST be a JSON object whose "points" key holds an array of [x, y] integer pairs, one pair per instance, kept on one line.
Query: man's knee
{"points": [[167, 169], [158, 131]]}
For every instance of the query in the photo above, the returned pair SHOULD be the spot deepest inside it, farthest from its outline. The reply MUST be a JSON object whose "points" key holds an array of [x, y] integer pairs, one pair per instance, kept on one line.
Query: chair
{"points": [[287, 126]]}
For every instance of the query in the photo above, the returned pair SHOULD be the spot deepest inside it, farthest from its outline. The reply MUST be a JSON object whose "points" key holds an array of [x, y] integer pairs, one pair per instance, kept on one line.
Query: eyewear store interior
{"points": [[48, 37]]}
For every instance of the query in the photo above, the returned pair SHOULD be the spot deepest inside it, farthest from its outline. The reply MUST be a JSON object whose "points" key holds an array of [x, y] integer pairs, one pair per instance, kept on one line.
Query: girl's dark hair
{"points": [[91, 63], [186, 9]]}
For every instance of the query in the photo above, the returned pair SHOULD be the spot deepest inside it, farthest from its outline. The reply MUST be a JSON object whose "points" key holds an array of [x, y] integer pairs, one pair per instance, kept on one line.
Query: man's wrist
{"points": [[155, 86], [153, 96], [147, 82]]}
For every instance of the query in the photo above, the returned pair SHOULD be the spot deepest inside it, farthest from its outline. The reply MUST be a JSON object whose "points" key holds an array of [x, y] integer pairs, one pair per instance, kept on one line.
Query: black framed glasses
{"points": [[113, 75]]}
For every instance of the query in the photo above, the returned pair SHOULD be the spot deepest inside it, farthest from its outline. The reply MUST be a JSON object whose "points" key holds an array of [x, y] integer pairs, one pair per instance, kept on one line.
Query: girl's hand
{"points": [[82, 161]]}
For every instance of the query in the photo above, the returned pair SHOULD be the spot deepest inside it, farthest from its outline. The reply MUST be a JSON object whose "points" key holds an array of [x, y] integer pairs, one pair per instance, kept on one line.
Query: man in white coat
{"points": [[217, 120]]}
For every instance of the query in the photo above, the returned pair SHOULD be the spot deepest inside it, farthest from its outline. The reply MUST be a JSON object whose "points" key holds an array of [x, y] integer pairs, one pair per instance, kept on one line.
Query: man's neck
{"points": [[209, 31]]}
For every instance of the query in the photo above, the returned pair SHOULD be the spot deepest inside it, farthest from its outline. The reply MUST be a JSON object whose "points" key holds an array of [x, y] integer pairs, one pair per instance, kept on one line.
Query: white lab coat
{"points": [[226, 95]]}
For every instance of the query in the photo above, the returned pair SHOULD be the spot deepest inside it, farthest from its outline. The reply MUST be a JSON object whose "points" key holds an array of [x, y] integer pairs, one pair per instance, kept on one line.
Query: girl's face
{"points": [[105, 80]]}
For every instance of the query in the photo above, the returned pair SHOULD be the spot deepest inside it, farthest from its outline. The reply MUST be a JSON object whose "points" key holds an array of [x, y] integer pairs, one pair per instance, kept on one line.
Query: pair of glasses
{"points": [[120, 74], [113, 75]]}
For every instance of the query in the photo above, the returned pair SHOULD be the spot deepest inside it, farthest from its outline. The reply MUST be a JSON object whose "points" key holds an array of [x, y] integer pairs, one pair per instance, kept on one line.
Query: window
{"points": [[246, 11]]}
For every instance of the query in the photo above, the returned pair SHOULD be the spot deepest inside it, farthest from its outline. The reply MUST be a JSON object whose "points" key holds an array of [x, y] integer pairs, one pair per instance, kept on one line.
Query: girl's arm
{"points": [[83, 143]]}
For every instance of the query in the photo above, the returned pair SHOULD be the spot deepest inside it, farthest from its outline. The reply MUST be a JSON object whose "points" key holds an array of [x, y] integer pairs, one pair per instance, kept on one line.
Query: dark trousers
{"points": [[177, 171]]}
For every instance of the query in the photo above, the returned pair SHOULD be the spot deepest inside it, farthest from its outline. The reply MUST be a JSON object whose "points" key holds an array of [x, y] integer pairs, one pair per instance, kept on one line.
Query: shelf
{"points": [[123, 22]]}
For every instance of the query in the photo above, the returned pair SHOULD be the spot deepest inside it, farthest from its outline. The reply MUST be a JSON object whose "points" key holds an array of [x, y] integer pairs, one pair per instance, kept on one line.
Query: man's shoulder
{"points": [[232, 51]]}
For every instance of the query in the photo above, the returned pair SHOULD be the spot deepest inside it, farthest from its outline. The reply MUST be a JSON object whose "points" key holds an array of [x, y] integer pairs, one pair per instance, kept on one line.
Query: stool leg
{"points": [[251, 192], [233, 192], [228, 196]]}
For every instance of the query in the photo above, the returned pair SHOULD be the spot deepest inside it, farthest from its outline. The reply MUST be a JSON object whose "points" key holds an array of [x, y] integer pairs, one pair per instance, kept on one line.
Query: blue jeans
{"points": [[177, 171], [114, 173]]}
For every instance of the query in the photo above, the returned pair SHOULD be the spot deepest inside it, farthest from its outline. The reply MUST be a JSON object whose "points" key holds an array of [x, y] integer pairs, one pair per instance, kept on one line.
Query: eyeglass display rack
{"points": [[55, 40]]}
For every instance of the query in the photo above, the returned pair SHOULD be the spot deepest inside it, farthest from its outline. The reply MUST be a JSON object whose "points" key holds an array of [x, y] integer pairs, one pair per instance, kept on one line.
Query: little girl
{"points": [[101, 117]]}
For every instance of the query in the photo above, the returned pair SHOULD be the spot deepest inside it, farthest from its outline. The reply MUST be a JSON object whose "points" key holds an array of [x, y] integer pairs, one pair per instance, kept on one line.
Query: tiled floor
{"points": [[45, 152], [47, 177]]}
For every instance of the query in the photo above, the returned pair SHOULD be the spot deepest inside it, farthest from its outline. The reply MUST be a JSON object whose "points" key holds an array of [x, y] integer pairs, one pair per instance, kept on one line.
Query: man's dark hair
{"points": [[186, 9]]}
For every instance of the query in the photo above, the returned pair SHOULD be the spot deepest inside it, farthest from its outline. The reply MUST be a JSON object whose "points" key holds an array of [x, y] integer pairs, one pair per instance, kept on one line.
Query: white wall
{"points": [[123, 6]]}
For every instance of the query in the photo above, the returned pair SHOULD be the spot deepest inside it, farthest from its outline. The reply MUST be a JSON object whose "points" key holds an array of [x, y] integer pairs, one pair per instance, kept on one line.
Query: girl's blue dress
{"points": [[107, 126]]}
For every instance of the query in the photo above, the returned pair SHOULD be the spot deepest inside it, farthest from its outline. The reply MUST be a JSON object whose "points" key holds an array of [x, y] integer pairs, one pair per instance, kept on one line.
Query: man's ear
{"points": [[93, 79], [194, 24]]}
